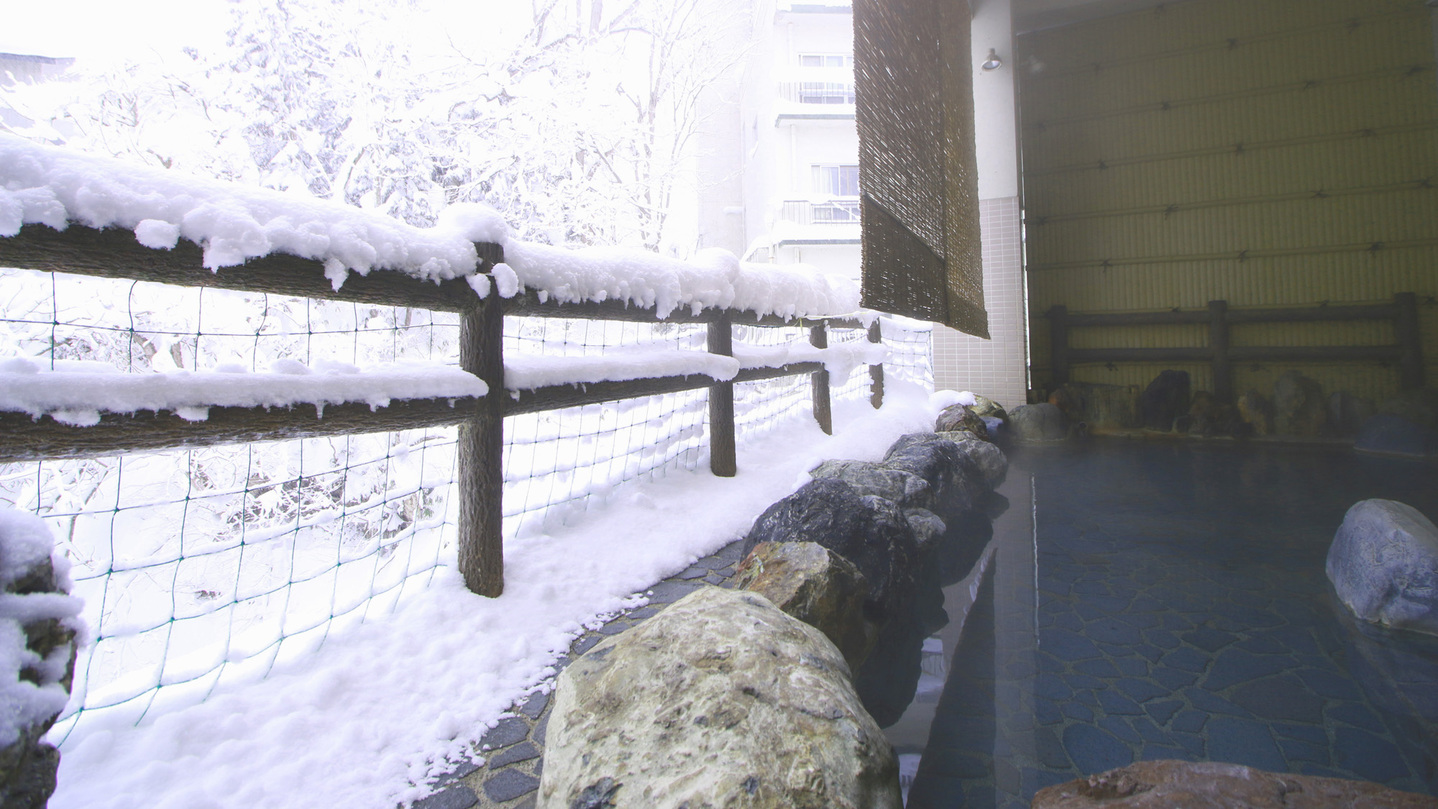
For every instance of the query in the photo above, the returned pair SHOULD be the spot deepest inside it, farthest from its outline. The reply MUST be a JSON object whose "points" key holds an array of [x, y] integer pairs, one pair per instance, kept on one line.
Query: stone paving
{"points": [[514, 748], [1179, 609]]}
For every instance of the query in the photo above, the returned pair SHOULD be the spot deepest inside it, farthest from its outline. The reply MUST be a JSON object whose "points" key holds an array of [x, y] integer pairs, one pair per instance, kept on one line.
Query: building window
{"points": [[837, 181], [825, 60]]}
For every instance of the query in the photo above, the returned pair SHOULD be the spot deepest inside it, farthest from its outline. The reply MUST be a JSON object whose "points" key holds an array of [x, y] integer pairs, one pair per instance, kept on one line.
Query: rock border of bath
{"points": [[1219, 785], [747, 695]]}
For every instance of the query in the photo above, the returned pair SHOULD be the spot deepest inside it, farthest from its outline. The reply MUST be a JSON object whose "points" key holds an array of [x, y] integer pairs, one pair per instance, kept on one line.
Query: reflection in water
{"points": [[1400, 671], [889, 678], [1158, 601]]}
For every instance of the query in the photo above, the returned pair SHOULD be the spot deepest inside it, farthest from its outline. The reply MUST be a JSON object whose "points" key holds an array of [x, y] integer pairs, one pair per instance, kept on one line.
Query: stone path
{"points": [[514, 748]]}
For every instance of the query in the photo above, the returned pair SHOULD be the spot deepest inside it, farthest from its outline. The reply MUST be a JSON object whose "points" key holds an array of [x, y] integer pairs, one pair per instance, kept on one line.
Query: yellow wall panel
{"points": [[1133, 207], [1351, 161], [1391, 101], [1196, 24], [1264, 68], [1398, 216], [1179, 336]]}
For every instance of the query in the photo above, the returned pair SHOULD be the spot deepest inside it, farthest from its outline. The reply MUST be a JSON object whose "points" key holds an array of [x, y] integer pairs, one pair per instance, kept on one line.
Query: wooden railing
{"points": [[114, 253], [1405, 351]]}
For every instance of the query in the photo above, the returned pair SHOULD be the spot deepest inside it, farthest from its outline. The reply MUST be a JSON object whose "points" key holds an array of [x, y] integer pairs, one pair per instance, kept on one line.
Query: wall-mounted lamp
{"points": [[993, 62]]}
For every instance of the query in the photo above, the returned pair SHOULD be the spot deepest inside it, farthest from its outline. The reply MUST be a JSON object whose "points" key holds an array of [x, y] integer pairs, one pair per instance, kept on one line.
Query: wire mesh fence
{"points": [[208, 566], [557, 462]]}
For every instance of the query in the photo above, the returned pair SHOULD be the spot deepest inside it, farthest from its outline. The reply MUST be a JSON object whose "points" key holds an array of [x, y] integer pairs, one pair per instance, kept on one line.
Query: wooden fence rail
{"points": [[1405, 351], [114, 253]]}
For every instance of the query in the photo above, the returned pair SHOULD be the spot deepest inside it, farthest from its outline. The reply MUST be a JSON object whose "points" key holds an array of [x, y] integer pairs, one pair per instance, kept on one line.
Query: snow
{"points": [[362, 722], [25, 542], [820, 232], [77, 392], [527, 372], [839, 360], [713, 278], [233, 223], [506, 281]]}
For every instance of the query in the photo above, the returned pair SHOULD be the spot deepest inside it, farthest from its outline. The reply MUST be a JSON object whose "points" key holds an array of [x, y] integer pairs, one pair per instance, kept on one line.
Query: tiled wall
{"points": [[994, 368]]}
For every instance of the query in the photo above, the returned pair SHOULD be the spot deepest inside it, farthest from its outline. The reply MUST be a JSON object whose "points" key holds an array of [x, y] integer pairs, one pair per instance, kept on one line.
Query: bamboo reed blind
{"points": [[917, 166]]}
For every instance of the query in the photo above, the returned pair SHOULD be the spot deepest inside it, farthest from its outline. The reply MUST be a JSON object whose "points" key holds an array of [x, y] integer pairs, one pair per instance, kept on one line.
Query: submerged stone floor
{"points": [[1170, 602], [514, 748]]}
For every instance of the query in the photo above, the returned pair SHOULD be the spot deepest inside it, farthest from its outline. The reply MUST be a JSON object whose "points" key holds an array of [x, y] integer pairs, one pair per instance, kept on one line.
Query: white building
{"points": [[780, 162]]}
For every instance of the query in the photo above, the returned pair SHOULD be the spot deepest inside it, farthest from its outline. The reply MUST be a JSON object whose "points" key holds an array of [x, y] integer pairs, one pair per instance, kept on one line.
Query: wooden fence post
{"points": [[876, 372], [1058, 317], [1218, 341], [722, 460], [481, 442], [819, 382], [1410, 342]]}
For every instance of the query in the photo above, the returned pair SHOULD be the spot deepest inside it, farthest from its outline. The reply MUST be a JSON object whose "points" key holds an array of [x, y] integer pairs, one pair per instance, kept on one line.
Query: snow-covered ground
{"points": [[379, 708]]}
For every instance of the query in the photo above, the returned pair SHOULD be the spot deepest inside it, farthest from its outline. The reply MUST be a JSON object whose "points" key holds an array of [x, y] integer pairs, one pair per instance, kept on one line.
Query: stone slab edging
{"points": [[514, 748]]}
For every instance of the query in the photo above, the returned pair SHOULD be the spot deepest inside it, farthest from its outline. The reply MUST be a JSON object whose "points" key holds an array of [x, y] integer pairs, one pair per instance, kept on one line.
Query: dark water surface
{"points": [[1146, 600]]}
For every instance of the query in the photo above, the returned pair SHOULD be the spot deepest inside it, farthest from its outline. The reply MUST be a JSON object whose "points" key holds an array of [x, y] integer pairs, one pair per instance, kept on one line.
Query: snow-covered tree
{"points": [[574, 120]]}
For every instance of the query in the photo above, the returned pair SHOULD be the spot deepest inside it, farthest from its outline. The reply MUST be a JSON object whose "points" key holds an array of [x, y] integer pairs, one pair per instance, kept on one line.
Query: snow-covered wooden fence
{"points": [[115, 253]]}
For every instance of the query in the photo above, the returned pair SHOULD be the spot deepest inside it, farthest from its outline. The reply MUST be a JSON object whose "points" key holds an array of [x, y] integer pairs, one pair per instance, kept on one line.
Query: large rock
{"points": [[1299, 407], [1067, 399], [1387, 434], [37, 633], [1418, 406], [1038, 422], [819, 587], [869, 531], [1384, 565], [958, 483], [989, 459], [960, 417], [1100, 405], [987, 408], [867, 477], [1165, 399], [929, 530], [721, 700], [1257, 412], [1217, 785]]}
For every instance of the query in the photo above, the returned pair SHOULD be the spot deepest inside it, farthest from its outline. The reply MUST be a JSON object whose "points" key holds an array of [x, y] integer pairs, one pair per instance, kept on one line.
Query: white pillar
{"points": [[998, 367]]}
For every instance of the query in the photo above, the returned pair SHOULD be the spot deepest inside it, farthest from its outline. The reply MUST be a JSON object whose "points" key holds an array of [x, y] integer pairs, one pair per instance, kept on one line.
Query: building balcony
{"points": [[815, 7], [826, 93], [836, 211]]}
